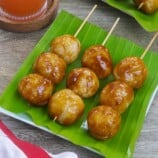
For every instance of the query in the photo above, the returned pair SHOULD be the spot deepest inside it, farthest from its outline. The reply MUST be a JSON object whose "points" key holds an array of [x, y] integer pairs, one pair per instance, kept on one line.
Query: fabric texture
{"points": [[13, 147]]}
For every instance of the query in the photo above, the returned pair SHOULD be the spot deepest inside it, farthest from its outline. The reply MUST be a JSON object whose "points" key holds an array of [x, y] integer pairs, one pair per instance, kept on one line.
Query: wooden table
{"points": [[14, 48]]}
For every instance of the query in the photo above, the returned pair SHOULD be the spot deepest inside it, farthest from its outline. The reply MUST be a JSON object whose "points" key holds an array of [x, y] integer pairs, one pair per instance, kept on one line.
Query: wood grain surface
{"points": [[14, 48]]}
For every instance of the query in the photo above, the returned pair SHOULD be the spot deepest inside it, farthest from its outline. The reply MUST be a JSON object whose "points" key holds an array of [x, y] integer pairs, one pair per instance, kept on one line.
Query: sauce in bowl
{"points": [[22, 10]]}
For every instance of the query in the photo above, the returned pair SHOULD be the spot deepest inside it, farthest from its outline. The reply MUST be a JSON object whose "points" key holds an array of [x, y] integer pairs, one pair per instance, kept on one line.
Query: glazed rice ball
{"points": [[50, 66], [131, 70], [35, 89], [98, 59], [117, 94], [83, 82], [103, 122], [65, 107], [67, 47]]}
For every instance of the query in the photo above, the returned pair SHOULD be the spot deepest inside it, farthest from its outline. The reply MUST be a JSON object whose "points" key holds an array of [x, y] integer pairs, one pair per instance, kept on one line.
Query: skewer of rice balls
{"points": [[66, 106], [130, 71], [48, 70], [118, 95], [103, 121]]}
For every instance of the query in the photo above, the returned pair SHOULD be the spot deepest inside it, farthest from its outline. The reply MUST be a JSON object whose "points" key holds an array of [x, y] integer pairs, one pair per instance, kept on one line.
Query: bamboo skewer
{"points": [[149, 45], [85, 20], [55, 118], [140, 5], [110, 32]]}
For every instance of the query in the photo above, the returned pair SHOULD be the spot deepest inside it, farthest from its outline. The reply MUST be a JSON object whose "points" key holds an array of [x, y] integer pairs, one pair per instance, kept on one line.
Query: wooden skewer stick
{"points": [[85, 20], [110, 32], [140, 5], [55, 118], [149, 45]]}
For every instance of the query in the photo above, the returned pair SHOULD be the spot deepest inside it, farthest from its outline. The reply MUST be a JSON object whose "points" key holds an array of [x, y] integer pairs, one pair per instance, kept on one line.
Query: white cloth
{"points": [[8, 149], [12, 147]]}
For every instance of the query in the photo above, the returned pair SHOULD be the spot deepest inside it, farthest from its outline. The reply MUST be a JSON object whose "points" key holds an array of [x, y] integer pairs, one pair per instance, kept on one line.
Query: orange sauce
{"points": [[22, 10]]}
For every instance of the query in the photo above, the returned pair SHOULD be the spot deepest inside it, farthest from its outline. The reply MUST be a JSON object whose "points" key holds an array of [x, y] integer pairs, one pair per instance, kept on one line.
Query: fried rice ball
{"points": [[67, 47], [131, 70], [98, 59], [35, 89], [103, 122], [117, 94], [83, 82], [65, 107], [50, 66]]}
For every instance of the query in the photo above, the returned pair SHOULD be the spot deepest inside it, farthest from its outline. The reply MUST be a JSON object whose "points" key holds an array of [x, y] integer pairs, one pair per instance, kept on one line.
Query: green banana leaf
{"points": [[148, 21], [120, 146]]}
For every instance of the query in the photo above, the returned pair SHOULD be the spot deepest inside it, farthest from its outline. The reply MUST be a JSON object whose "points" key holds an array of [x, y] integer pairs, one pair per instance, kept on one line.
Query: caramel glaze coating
{"points": [[83, 82], [35, 89], [67, 47], [50, 66], [148, 6], [118, 95], [98, 59], [103, 122], [65, 107], [131, 70]]}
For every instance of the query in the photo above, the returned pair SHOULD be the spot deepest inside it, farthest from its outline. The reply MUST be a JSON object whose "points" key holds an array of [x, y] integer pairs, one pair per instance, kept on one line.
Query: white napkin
{"points": [[12, 147]]}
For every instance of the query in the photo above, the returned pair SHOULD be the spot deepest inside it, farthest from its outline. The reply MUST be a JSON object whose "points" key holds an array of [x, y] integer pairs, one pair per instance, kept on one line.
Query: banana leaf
{"points": [[148, 21], [120, 146]]}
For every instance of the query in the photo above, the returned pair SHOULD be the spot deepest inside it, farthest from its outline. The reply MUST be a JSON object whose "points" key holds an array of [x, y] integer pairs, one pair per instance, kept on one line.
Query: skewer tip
{"points": [[95, 6], [55, 118], [140, 5], [111, 30], [149, 45], [85, 20]]}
